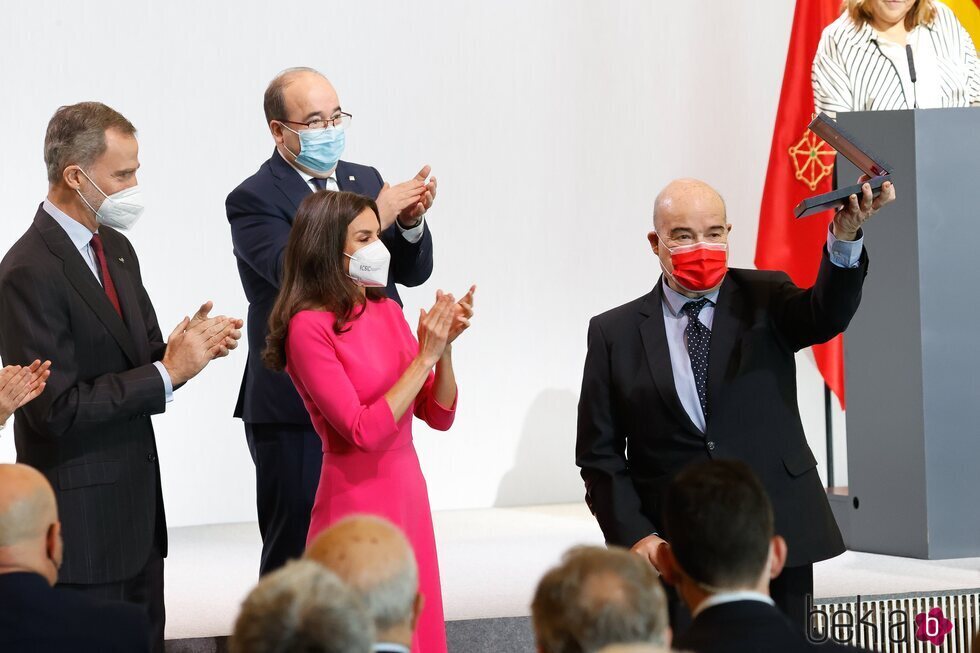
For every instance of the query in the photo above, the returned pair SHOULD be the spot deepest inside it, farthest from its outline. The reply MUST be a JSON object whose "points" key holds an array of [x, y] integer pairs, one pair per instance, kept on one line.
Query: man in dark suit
{"points": [[71, 291], [703, 367], [34, 616], [374, 558], [309, 128], [723, 551]]}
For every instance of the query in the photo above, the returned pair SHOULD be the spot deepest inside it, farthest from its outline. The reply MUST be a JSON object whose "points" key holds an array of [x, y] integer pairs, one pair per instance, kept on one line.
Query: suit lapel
{"points": [[726, 331], [128, 297], [81, 278], [288, 181], [654, 337]]}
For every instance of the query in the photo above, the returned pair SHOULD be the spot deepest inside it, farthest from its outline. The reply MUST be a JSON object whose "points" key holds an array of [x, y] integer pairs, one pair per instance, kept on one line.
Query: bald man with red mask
{"points": [[703, 367]]}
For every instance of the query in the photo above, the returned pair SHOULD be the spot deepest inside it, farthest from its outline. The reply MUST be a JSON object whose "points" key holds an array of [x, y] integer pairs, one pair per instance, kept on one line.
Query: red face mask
{"points": [[700, 266]]}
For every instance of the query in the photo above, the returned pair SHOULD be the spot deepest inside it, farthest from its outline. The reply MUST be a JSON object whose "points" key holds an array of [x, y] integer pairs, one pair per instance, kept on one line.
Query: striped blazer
{"points": [[850, 72]]}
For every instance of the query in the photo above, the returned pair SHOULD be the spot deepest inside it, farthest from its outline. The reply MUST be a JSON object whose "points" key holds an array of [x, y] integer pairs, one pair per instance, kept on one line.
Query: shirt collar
{"points": [[392, 647], [731, 597], [307, 177], [675, 301], [79, 234]]}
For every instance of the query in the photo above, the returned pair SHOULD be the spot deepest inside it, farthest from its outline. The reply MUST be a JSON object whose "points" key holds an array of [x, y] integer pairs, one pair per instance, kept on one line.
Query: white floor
{"points": [[491, 561]]}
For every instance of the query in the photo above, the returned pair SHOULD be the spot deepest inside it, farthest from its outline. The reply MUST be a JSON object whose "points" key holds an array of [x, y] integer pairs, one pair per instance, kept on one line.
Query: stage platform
{"points": [[491, 561]]}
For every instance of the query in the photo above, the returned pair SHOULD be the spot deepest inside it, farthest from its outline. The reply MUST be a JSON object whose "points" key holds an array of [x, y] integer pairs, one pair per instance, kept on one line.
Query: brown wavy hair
{"points": [[314, 273], [922, 13]]}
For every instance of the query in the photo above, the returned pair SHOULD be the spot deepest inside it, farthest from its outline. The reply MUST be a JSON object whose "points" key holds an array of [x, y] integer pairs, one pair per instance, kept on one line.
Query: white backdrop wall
{"points": [[550, 126]]}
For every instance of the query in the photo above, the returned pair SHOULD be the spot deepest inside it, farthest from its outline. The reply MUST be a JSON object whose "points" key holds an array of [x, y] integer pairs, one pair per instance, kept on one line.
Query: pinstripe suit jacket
{"points": [[850, 72], [90, 431]]}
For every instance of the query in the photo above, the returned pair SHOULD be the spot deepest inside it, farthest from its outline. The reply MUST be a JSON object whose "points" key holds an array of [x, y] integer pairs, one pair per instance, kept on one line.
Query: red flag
{"points": [[800, 165]]}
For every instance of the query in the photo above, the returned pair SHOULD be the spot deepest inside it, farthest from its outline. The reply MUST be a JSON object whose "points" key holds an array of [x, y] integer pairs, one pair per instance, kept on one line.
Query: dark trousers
{"points": [[287, 461], [789, 590], [144, 589]]}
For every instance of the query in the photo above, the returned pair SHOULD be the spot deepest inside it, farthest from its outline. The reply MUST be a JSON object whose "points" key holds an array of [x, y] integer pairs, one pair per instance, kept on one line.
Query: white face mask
{"points": [[369, 265], [120, 210]]}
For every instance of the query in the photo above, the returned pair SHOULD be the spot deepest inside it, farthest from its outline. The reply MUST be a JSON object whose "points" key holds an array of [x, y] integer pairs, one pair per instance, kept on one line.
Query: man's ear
{"points": [[71, 176], [670, 571], [417, 610], [654, 242], [276, 128], [778, 550], [53, 544]]}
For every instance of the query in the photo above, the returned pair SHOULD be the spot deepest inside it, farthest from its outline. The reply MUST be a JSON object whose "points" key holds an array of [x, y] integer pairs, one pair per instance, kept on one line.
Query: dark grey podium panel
{"points": [[912, 353]]}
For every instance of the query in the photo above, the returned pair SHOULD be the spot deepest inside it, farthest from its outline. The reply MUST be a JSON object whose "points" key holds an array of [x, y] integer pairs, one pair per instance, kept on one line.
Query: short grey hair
{"points": [[76, 135], [302, 607], [597, 597], [392, 601], [274, 101]]}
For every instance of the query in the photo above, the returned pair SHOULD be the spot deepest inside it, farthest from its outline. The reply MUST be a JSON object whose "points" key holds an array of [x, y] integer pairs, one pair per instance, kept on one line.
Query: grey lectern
{"points": [[912, 352]]}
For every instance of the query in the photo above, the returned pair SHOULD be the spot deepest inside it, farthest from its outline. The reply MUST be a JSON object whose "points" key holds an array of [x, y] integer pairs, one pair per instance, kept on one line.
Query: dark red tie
{"points": [[110, 288]]}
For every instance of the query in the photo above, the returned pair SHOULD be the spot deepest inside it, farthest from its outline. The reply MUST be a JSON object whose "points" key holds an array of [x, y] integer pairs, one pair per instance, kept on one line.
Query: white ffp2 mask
{"points": [[120, 210], [369, 265]]}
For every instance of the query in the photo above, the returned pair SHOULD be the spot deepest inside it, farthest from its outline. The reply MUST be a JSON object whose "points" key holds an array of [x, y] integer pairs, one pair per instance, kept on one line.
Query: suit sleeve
{"points": [[35, 324], [411, 263], [600, 452], [258, 233], [811, 316], [315, 369]]}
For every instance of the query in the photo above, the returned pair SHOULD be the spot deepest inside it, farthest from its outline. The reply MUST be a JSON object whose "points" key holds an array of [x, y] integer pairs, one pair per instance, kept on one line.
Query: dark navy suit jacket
{"points": [[261, 214], [37, 618]]}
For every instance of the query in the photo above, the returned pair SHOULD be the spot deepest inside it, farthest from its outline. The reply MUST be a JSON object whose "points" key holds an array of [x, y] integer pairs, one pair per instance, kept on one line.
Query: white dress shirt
{"points": [[412, 235], [731, 597], [81, 237]]}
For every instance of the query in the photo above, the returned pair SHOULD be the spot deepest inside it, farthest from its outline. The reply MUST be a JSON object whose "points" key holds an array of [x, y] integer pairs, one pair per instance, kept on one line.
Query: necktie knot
{"points": [[693, 309], [96, 244], [321, 184]]}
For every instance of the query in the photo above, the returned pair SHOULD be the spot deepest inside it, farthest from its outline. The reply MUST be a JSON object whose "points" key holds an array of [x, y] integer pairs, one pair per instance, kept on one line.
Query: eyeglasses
{"points": [[337, 120]]}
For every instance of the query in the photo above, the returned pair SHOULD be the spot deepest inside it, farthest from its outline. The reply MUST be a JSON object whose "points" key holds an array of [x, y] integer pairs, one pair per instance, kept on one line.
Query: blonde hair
{"points": [[923, 12]]}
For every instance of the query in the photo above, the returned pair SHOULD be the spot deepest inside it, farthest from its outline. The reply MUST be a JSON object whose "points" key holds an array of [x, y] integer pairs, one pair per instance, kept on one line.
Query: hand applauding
{"points": [[20, 385], [197, 341], [407, 201]]}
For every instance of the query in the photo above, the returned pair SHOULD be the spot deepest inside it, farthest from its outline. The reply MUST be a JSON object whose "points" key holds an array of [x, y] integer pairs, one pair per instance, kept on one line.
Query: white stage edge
{"points": [[491, 560]]}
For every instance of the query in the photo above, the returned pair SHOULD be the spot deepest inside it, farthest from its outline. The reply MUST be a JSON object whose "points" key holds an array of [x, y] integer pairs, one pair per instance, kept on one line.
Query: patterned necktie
{"points": [[698, 346], [110, 288]]}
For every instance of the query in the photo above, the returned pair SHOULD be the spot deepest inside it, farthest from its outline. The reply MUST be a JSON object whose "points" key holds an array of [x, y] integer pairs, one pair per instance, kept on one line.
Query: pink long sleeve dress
{"points": [[369, 462]]}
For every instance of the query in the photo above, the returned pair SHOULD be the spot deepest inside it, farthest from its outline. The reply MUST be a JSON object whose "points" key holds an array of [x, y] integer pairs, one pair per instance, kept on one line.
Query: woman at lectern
{"points": [[363, 375], [895, 54]]}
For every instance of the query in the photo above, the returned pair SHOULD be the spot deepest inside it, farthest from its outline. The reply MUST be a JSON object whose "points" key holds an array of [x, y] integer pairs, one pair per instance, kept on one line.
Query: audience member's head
{"points": [[375, 559], [301, 607], [30, 533], [719, 525], [597, 597]]}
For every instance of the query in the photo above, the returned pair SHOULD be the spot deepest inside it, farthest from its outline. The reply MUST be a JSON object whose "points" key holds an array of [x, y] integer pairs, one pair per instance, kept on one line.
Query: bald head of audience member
{"points": [[598, 597], [375, 559], [30, 533], [299, 608], [687, 212]]}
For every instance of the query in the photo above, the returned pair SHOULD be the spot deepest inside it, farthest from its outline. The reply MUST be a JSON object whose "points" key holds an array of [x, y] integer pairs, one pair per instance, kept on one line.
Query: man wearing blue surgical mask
{"points": [[310, 130], [71, 290]]}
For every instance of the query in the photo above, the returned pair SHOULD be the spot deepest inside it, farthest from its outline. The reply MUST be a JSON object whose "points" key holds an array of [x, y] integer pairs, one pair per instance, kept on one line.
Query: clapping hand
{"points": [[434, 328], [462, 313], [234, 332], [855, 212], [410, 215], [20, 385], [400, 200]]}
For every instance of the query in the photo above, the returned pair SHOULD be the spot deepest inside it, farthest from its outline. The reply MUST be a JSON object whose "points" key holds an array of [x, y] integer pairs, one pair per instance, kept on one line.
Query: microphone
{"points": [[908, 53]]}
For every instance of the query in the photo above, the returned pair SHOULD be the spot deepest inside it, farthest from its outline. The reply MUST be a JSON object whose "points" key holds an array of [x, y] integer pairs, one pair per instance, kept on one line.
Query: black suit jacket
{"points": [[37, 618], [261, 214], [634, 435], [90, 431], [747, 627]]}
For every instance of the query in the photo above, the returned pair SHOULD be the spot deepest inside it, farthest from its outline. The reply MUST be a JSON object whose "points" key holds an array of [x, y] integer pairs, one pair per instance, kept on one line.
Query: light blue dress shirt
{"points": [[81, 237], [843, 254]]}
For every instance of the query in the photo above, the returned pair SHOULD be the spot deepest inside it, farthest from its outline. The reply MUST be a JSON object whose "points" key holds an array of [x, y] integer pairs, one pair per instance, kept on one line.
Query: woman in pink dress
{"points": [[363, 375]]}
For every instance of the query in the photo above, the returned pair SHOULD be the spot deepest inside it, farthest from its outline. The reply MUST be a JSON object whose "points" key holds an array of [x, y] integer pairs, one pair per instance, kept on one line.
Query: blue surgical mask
{"points": [[319, 149]]}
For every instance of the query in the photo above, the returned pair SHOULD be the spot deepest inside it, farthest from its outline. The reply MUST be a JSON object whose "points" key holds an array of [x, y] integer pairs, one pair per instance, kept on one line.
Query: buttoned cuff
{"points": [[414, 234], [168, 384], [845, 253]]}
